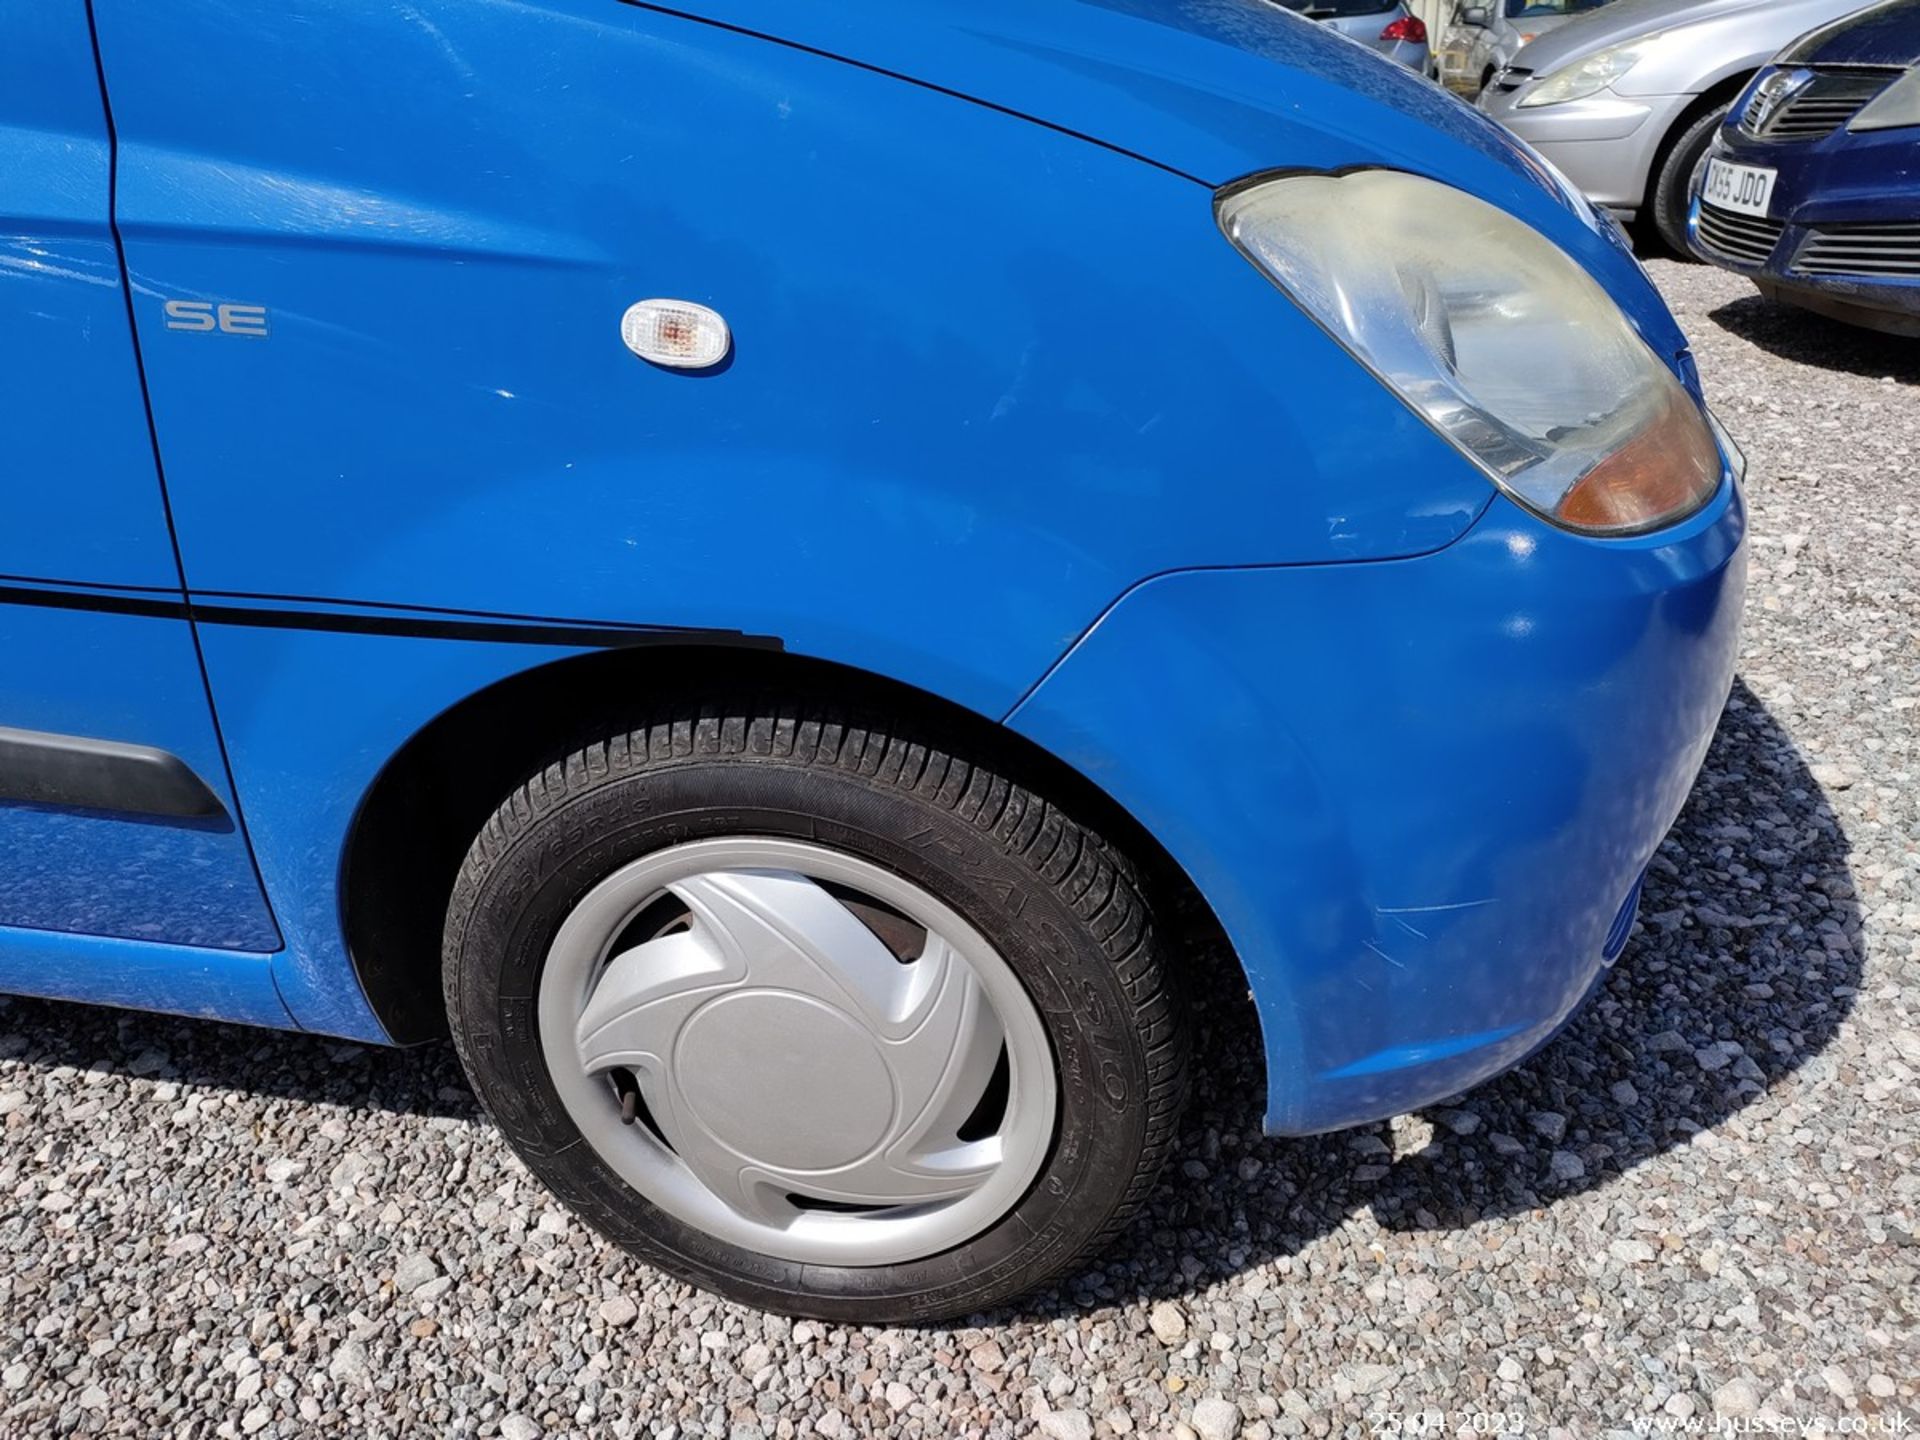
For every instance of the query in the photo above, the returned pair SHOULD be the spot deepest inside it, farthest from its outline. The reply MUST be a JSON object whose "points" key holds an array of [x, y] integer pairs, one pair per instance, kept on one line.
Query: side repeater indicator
{"points": [[207, 316], [676, 333]]}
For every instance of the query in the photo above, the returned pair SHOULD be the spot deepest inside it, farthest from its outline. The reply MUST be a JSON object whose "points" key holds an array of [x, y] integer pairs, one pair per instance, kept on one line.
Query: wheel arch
{"points": [[416, 820]]}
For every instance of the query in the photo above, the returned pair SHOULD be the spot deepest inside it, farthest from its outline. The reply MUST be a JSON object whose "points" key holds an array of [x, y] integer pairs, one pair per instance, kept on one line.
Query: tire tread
{"points": [[1091, 876]]}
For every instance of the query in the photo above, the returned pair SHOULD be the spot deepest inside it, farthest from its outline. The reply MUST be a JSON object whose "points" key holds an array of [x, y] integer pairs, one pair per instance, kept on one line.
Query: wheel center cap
{"points": [[784, 1079]]}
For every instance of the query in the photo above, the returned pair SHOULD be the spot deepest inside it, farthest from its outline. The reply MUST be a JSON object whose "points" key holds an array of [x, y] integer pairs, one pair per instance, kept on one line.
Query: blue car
{"points": [[1812, 188], [742, 560]]}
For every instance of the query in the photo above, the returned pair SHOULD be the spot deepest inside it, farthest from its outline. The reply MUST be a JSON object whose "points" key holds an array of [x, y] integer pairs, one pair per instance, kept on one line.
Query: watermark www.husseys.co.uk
{"points": [[1402, 1425], [1787, 1425]]}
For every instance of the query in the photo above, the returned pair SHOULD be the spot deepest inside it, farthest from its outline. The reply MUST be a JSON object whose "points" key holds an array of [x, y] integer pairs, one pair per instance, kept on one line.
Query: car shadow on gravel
{"points": [[1808, 339], [205, 1055], [1745, 961]]}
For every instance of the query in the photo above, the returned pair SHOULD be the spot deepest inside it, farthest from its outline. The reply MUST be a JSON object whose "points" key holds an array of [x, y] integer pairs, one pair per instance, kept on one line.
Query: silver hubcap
{"points": [[797, 1051]]}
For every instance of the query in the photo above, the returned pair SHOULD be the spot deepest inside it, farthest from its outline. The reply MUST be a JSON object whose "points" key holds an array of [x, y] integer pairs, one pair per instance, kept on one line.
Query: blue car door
{"points": [[124, 874]]}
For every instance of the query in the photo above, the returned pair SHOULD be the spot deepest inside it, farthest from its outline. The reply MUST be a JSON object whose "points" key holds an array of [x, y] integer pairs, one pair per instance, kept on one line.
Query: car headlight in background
{"points": [[1897, 105], [1589, 76], [1492, 334]]}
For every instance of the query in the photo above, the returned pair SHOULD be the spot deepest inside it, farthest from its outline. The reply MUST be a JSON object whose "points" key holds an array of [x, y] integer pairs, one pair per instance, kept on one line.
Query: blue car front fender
{"points": [[1419, 794]]}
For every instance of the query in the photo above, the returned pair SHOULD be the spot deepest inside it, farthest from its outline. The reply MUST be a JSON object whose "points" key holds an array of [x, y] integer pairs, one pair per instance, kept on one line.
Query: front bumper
{"points": [[1419, 794], [1835, 201], [1605, 144]]}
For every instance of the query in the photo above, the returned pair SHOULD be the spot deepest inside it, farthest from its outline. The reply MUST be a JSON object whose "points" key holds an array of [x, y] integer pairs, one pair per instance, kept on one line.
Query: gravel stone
{"points": [[1066, 1425], [988, 1356], [1737, 1399], [349, 1363], [1831, 777], [205, 1230], [413, 1272], [1216, 1419], [1369, 1379], [1168, 1323]]}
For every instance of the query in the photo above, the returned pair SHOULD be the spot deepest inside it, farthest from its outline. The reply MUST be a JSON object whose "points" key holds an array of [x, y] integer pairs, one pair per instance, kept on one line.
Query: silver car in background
{"points": [[1387, 25], [1626, 100], [1483, 36]]}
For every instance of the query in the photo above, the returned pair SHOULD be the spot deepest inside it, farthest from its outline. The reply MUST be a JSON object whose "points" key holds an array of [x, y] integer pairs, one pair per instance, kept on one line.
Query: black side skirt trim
{"points": [[75, 772]]}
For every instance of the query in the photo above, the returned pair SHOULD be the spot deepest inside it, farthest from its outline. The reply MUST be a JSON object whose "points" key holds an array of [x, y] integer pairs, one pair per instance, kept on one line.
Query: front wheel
{"points": [[816, 1014], [1673, 186]]}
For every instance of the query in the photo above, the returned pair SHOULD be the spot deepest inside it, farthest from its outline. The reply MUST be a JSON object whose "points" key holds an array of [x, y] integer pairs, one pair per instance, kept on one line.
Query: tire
{"points": [[874, 814], [1672, 187]]}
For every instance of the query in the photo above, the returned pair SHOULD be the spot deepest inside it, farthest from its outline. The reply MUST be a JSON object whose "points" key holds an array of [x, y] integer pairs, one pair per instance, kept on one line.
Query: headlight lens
{"points": [[1589, 76], [1493, 335], [1897, 105]]}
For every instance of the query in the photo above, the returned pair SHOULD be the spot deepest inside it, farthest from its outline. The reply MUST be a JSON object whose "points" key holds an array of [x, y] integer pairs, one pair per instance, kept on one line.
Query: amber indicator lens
{"points": [[1670, 468]]}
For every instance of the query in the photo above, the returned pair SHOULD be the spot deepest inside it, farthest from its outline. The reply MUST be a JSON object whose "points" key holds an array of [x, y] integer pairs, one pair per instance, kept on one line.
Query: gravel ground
{"points": [[1703, 1197]]}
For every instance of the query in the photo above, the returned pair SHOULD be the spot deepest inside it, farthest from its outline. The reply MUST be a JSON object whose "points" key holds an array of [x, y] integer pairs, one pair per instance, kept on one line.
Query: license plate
{"points": [[1744, 188]]}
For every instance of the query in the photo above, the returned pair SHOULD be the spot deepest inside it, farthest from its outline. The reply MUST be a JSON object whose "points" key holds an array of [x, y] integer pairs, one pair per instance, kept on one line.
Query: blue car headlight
{"points": [[1493, 335]]}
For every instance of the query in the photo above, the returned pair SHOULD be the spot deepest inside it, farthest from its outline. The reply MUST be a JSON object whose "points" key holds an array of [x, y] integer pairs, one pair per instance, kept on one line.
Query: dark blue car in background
{"points": [[1813, 186]]}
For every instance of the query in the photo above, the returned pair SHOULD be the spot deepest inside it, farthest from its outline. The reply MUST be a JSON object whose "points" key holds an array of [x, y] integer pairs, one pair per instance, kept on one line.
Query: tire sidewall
{"points": [[497, 954], [1674, 185]]}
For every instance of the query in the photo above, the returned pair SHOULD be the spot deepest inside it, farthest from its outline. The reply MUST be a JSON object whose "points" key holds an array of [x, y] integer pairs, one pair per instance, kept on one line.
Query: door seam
{"points": [[166, 500]]}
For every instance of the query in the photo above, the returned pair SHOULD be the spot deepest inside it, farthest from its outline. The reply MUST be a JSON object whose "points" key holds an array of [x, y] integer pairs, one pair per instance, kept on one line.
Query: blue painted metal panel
{"points": [[963, 412], [1418, 793], [78, 499], [1885, 34], [1216, 89], [175, 979], [135, 679], [310, 718]]}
